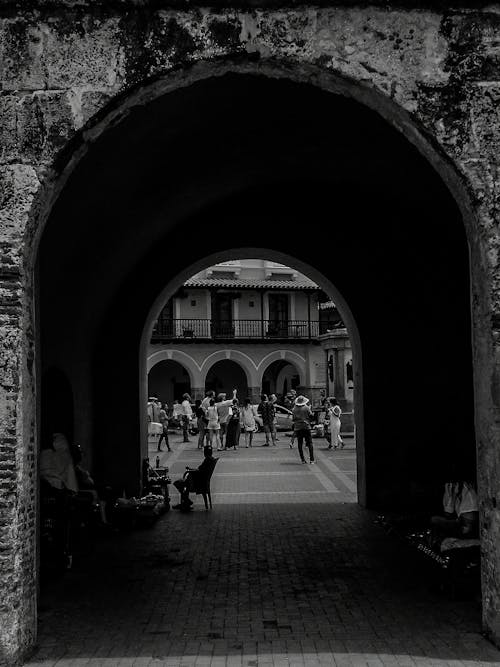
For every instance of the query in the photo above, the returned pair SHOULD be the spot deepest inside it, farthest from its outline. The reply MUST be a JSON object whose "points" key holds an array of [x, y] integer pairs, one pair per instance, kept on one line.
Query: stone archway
{"points": [[281, 358], [119, 311], [279, 378], [28, 203], [237, 356], [180, 357], [225, 375], [168, 380]]}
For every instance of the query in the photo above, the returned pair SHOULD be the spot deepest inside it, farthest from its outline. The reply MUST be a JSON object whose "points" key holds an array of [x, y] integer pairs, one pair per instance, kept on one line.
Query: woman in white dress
{"points": [[333, 412], [248, 423]]}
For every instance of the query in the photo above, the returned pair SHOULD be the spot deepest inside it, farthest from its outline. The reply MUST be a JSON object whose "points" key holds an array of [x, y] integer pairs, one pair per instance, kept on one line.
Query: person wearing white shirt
{"points": [[186, 414], [206, 401], [248, 423], [224, 411]]}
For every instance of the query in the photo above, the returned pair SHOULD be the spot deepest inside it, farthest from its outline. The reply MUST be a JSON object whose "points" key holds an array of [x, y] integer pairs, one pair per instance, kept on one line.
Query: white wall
{"points": [[316, 361], [200, 310], [246, 312], [301, 306]]}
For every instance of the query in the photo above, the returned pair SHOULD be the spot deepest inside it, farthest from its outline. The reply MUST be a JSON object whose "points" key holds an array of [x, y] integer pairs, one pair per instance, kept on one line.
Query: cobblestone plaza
{"points": [[286, 570]]}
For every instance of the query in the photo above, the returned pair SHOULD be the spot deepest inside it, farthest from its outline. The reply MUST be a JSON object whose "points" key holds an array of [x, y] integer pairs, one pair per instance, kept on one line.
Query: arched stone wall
{"points": [[66, 78], [226, 374], [184, 359], [292, 357], [242, 359]]}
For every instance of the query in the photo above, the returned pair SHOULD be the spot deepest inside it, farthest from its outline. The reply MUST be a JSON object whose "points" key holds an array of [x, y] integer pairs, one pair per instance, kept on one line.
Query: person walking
{"points": [[248, 423], [268, 413], [201, 422], [233, 427], [302, 415], [274, 400], [333, 411], [163, 417], [224, 410], [186, 415], [177, 413], [154, 425]]}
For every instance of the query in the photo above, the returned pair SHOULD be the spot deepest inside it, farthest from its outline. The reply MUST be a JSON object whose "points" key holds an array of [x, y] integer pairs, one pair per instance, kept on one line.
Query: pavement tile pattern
{"points": [[285, 571]]}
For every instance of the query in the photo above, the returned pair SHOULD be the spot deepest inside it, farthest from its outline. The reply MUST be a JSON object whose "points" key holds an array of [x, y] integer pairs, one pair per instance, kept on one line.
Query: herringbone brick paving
{"points": [[269, 577]]}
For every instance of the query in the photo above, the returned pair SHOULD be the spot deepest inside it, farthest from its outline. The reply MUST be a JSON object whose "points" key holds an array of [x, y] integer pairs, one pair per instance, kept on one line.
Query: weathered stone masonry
{"points": [[66, 72]]}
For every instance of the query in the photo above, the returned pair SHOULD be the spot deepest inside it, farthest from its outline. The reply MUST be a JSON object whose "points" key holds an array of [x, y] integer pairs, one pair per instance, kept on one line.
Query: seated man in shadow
{"points": [[187, 483], [460, 517]]}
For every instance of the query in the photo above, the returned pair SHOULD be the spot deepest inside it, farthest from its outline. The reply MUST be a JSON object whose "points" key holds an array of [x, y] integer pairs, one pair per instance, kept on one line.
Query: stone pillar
{"points": [[197, 392], [18, 443], [254, 394], [339, 372], [312, 393]]}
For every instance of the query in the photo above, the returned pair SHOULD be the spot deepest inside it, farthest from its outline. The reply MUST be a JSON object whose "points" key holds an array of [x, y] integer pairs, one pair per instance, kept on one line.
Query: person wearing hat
{"points": [[302, 415], [333, 412]]}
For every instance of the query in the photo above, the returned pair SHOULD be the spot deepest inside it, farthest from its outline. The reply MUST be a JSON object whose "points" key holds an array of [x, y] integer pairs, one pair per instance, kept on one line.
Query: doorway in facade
{"points": [[222, 316]]}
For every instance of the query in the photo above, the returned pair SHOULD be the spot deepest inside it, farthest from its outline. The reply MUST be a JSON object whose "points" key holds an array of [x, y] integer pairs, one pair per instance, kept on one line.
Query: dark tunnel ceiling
{"points": [[240, 151]]}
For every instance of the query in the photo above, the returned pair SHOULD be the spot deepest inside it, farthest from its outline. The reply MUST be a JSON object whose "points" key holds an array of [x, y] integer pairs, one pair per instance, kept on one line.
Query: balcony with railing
{"points": [[205, 329]]}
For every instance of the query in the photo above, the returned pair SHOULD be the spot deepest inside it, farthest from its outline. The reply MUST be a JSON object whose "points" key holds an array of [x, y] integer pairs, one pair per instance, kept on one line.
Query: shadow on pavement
{"points": [[316, 581]]}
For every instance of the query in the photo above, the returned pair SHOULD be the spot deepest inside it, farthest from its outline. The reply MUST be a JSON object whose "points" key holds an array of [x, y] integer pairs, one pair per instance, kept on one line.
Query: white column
{"points": [[266, 306], [236, 315], [209, 304], [177, 317]]}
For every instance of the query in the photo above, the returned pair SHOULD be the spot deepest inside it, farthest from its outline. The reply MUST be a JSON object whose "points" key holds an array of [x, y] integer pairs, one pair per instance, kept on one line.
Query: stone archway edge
{"points": [[66, 78]]}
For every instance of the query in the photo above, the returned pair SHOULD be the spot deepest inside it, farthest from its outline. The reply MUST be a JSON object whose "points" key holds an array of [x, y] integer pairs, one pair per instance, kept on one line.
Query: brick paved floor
{"points": [[285, 571]]}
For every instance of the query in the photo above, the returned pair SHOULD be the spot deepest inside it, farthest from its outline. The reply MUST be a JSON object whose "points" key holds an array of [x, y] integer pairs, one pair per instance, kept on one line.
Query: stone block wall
{"points": [[67, 72]]}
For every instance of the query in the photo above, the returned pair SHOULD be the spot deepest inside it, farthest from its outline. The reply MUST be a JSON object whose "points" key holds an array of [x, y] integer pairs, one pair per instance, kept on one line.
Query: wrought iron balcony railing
{"points": [[188, 329]]}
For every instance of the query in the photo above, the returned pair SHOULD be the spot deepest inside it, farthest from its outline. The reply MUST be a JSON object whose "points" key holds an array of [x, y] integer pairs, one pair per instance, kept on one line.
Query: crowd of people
{"points": [[221, 421]]}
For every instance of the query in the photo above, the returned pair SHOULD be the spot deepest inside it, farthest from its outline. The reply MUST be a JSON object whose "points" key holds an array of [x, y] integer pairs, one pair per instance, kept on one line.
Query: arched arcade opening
{"points": [[226, 375], [280, 377], [168, 380]]}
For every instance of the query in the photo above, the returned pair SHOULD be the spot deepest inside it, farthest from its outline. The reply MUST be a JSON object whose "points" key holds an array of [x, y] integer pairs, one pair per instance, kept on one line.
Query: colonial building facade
{"points": [[255, 325]]}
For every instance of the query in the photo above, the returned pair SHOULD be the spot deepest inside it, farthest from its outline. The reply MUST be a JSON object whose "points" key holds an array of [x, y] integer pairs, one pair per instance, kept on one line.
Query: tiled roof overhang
{"points": [[236, 283]]}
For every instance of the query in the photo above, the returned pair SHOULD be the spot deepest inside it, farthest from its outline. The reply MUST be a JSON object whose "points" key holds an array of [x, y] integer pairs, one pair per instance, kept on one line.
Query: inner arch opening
{"points": [[224, 375], [168, 380]]}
